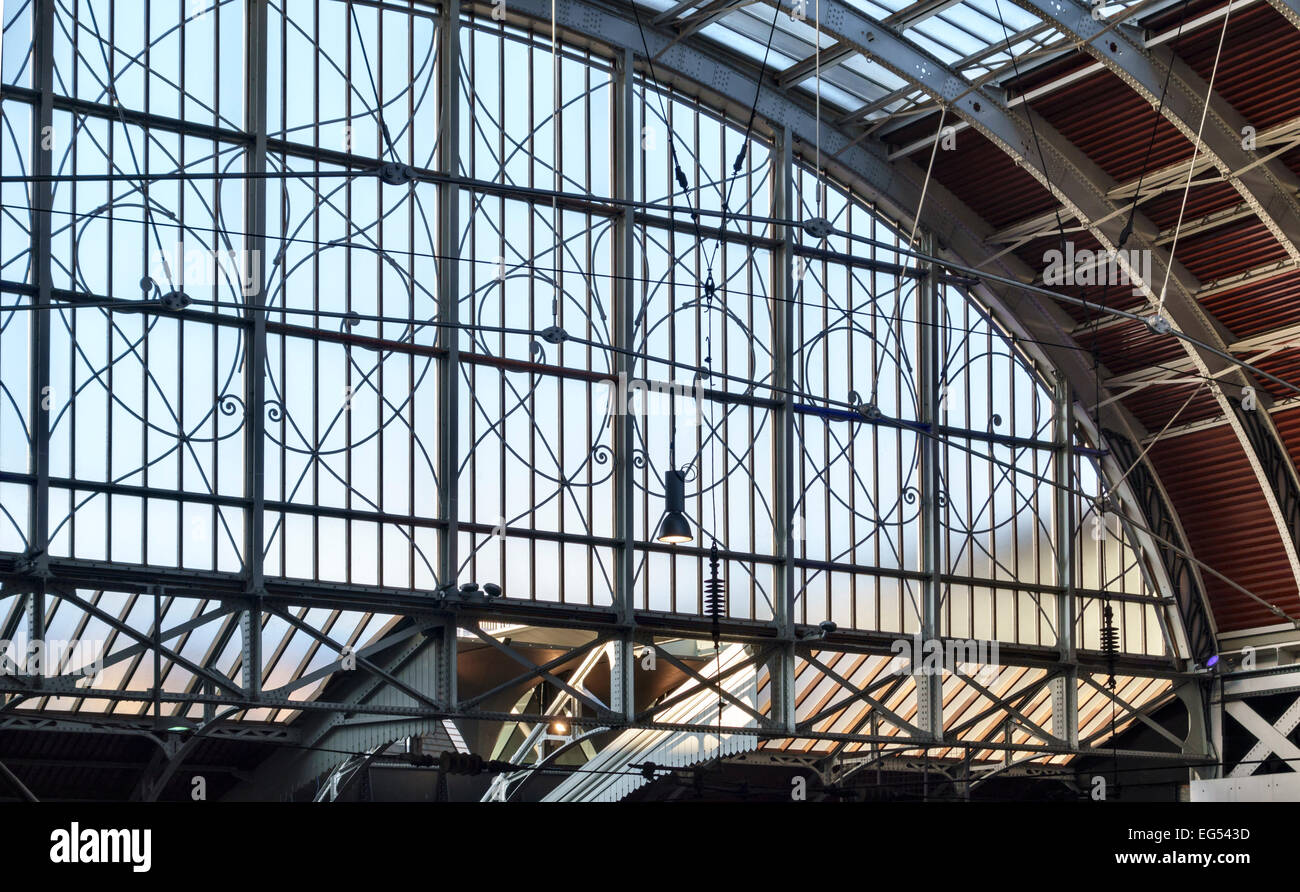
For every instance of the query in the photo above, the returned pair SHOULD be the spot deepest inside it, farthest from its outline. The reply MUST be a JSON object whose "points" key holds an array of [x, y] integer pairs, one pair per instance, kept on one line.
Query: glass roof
{"points": [[970, 36], [355, 521]]}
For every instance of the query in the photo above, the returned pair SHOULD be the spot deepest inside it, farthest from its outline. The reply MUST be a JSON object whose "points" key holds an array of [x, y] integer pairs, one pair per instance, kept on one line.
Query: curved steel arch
{"points": [[1084, 189], [1267, 186], [1290, 9], [896, 184], [900, 182]]}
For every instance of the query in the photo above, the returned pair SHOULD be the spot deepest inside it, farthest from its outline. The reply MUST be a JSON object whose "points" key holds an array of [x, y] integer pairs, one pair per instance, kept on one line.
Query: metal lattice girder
{"points": [[152, 644], [1288, 8], [535, 735], [879, 710], [1270, 737], [326, 736], [254, 732], [895, 185], [714, 684], [1084, 188], [543, 672], [1061, 706], [1268, 186], [1127, 710], [1171, 177]]}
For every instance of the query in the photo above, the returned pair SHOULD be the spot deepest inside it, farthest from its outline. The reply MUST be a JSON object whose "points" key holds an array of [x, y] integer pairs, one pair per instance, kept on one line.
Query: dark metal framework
{"points": [[1183, 574], [294, 348]]}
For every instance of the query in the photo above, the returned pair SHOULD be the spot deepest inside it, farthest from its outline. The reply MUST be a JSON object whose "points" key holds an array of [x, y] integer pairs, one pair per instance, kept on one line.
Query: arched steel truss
{"points": [[409, 675]]}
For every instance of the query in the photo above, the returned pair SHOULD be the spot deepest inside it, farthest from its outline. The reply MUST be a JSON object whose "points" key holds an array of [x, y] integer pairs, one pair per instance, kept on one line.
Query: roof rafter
{"points": [[1083, 188]]}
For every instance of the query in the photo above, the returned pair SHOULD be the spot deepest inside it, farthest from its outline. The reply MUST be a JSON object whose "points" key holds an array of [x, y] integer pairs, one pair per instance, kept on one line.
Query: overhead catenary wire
{"points": [[958, 267], [353, 317], [911, 253], [950, 441], [555, 199], [1185, 377]]}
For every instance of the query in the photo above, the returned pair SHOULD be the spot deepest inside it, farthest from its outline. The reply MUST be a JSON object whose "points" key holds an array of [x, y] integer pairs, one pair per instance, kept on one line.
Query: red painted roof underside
{"points": [[1205, 469]]}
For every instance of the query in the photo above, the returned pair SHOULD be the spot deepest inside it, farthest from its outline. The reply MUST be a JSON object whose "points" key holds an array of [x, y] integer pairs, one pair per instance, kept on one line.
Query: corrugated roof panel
{"points": [[1228, 523], [1164, 209], [1258, 307], [1112, 125], [1131, 346], [988, 180], [1159, 404], [1228, 250], [1260, 65]]}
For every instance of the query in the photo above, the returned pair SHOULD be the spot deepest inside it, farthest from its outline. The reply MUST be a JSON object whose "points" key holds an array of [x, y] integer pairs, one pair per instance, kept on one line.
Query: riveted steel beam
{"points": [[1265, 184], [1084, 189], [727, 81], [1290, 9]]}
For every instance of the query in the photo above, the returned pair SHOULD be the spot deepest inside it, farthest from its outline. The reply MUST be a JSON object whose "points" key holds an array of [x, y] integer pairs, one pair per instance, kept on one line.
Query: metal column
{"points": [[250, 620], [448, 336], [622, 659], [44, 140], [929, 687], [1065, 687], [781, 667]]}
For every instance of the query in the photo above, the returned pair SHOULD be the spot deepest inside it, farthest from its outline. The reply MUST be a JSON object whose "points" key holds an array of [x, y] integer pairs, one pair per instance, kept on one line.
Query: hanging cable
{"points": [[929, 172], [1155, 128], [1124, 236], [817, 131], [738, 164], [1196, 148], [556, 182]]}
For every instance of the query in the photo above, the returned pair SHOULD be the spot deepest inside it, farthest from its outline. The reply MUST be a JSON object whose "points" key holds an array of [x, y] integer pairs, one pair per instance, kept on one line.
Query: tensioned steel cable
{"points": [[1010, 283], [911, 241], [911, 253], [659, 92], [1155, 128], [1124, 236], [738, 163], [1196, 148], [556, 181], [1060, 226], [1100, 504], [951, 442]]}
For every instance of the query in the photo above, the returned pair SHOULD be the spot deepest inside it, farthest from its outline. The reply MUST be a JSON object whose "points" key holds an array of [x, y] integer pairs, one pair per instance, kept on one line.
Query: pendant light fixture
{"points": [[675, 528]]}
